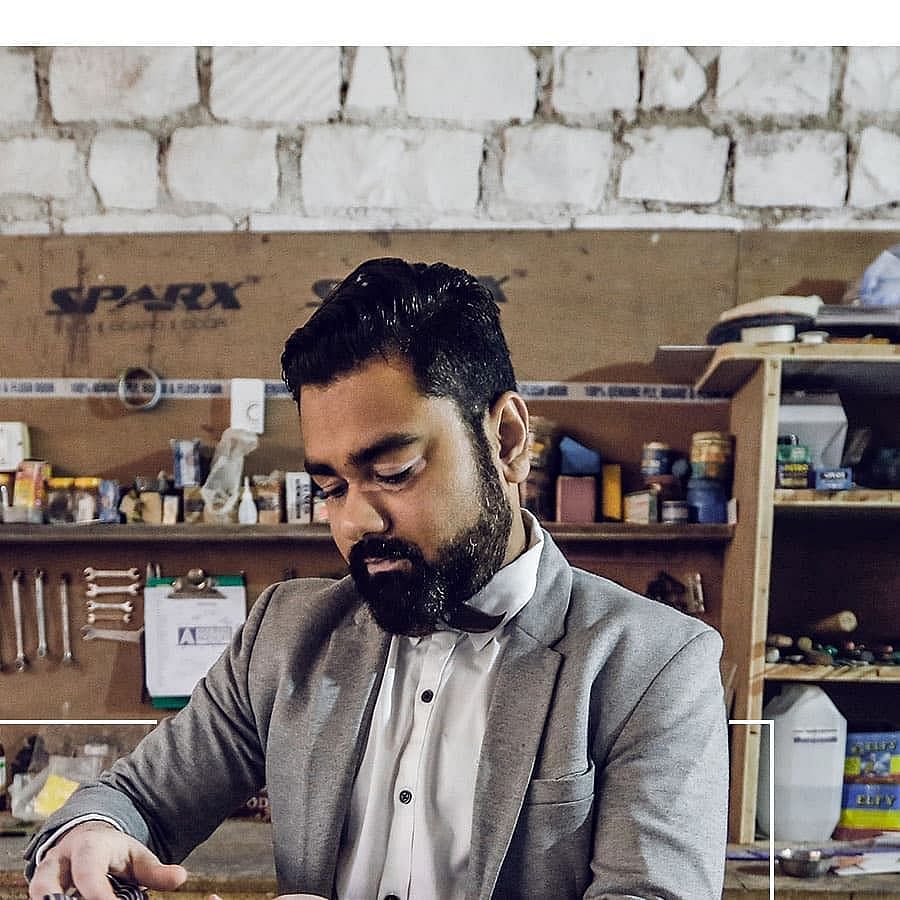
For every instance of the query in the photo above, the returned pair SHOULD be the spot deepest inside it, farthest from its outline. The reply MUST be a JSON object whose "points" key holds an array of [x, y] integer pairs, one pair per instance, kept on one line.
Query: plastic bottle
{"points": [[247, 514], [809, 740]]}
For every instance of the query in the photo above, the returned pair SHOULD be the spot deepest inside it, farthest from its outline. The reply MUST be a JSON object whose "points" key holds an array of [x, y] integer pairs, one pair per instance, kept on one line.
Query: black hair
{"points": [[440, 319]]}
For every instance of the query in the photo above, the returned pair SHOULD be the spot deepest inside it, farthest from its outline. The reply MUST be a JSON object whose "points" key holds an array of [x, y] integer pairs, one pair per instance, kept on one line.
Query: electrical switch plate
{"points": [[15, 445], [248, 404]]}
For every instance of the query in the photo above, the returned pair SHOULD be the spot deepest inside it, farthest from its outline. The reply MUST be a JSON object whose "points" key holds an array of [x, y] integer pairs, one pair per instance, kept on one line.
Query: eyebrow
{"points": [[358, 459]]}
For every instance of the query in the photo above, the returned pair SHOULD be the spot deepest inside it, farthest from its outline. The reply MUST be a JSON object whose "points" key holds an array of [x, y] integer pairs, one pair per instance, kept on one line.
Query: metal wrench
{"points": [[21, 659], [95, 590], [41, 614], [67, 657], [126, 607], [90, 573], [89, 633]]}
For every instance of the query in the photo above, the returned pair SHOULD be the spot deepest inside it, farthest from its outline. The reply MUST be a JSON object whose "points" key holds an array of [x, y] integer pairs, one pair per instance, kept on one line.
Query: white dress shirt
{"points": [[410, 821]]}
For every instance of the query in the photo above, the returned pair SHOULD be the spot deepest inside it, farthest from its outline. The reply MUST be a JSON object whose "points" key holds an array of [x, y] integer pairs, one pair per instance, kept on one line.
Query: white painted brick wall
{"points": [[358, 166], [763, 81], [678, 165], [232, 167], [553, 165], [876, 175], [791, 168], [123, 167], [471, 84], [18, 96], [594, 81], [672, 79], [275, 84], [372, 87], [872, 80], [42, 167], [121, 83]]}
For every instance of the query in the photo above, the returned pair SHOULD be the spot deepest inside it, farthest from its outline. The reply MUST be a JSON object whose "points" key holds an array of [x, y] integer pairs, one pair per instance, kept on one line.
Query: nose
{"points": [[359, 517]]}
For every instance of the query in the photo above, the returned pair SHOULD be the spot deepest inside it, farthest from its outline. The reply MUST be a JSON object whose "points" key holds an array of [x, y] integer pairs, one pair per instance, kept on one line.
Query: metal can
{"points": [[60, 505], [675, 512], [711, 455], [87, 490], [655, 459]]}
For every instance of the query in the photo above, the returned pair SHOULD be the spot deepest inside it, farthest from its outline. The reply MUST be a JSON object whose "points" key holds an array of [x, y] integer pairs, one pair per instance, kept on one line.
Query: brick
{"points": [[18, 99], [275, 84], [762, 81], [872, 80], [673, 79], [226, 165], [791, 168], [42, 167], [555, 164], [146, 223], [371, 82], [471, 84], [678, 165], [121, 83], [594, 81], [123, 167], [876, 175], [359, 166]]}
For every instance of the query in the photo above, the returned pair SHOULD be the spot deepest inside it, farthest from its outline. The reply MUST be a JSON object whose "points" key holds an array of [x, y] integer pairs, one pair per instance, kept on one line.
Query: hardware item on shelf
{"points": [[21, 659], [843, 621], [107, 610], [40, 612], [67, 658]]}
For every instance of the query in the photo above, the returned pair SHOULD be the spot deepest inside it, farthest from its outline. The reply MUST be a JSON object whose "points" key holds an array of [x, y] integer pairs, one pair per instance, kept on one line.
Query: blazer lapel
{"points": [[523, 693], [339, 715]]}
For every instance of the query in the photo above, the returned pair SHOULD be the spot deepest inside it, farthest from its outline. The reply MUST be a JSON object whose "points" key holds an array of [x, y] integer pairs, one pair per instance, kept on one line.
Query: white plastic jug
{"points": [[809, 739]]}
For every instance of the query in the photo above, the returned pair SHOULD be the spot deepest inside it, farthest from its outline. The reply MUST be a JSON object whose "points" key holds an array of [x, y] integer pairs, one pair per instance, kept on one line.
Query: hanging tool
{"points": [[21, 659], [89, 633], [95, 590], [67, 657], [91, 574], [41, 614]]}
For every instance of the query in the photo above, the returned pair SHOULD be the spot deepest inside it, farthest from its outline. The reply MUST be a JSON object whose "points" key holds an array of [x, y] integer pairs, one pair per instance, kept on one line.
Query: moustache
{"points": [[383, 548]]}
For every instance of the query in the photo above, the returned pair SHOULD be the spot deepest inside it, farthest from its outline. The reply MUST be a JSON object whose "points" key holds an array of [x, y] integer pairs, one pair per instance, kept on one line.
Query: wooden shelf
{"points": [[873, 674], [93, 533], [863, 500]]}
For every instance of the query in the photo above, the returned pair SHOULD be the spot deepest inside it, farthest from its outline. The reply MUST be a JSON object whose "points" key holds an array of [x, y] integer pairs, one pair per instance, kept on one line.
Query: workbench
{"points": [[236, 863]]}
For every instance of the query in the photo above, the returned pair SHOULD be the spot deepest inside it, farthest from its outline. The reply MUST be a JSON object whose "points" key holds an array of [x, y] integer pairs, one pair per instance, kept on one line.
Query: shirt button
{"points": [[405, 796], [427, 696]]}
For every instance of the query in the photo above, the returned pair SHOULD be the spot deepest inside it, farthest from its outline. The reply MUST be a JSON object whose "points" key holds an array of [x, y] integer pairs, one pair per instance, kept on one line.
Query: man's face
{"points": [[419, 513]]}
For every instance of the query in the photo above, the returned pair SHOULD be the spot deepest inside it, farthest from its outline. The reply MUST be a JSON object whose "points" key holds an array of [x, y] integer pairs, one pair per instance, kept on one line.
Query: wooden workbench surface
{"points": [[236, 862]]}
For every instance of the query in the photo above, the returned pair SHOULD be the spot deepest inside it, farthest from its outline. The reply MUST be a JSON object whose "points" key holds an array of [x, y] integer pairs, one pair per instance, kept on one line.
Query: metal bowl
{"points": [[804, 863]]}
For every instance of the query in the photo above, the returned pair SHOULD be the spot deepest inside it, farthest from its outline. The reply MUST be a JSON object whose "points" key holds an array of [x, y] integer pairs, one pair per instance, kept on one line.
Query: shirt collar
{"points": [[511, 587]]}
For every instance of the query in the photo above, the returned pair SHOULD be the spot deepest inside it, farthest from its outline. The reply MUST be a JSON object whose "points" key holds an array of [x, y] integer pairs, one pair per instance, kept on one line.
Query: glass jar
{"points": [[87, 492]]}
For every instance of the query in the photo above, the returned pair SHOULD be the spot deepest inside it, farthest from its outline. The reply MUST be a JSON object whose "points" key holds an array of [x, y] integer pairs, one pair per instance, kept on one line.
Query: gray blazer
{"points": [[603, 771]]}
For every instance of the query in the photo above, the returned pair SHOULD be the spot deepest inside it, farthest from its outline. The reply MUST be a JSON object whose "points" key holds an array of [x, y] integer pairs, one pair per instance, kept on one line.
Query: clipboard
{"points": [[188, 623]]}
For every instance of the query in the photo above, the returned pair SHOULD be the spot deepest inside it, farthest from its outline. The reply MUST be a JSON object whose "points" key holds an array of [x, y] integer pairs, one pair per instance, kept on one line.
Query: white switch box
{"points": [[15, 445], [248, 404]]}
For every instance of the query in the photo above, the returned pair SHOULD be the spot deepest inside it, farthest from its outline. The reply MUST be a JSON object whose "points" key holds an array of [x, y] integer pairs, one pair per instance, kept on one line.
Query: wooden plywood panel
{"points": [[806, 262], [222, 305]]}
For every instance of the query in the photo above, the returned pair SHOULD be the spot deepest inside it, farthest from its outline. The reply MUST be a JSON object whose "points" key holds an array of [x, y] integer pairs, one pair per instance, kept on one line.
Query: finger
{"points": [[50, 877], [146, 869]]}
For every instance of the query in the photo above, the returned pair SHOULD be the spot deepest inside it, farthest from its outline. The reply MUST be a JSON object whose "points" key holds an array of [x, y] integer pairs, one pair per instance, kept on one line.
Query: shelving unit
{"points": [[799, 555]]}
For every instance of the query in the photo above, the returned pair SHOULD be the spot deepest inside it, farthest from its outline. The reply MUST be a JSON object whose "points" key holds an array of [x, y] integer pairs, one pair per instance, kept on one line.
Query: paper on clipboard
{"points": [[185, 632]]}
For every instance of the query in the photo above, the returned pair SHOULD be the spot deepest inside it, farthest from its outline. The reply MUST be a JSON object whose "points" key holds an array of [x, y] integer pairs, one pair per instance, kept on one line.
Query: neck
{"points": [[518, 537]]}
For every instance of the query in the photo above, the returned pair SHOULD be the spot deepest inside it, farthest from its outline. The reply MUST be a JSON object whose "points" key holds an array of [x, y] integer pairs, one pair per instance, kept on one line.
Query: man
{"points": [[466, 716]]}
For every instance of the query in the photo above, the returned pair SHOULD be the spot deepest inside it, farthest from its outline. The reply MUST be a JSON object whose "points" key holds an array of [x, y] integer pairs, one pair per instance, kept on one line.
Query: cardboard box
{"points": [[298, 497], [576, 498], [819, 422]]}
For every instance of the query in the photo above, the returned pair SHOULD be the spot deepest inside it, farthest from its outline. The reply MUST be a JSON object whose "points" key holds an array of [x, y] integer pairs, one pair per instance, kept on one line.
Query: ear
{"points": [[508, 429]]}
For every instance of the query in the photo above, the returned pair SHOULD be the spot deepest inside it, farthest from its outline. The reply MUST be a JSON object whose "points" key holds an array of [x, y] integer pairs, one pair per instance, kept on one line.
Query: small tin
{"points": [[711, 455], [655, 459], [60, 502], [108, 500], [675, 512]]}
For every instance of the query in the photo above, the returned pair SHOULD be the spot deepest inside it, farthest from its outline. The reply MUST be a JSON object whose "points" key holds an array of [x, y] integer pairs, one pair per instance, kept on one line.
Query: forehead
{"points": [[359, 408]]}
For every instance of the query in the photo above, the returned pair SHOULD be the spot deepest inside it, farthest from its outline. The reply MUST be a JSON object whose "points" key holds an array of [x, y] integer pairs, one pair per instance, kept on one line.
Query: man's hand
{"points": [[84, 856]]}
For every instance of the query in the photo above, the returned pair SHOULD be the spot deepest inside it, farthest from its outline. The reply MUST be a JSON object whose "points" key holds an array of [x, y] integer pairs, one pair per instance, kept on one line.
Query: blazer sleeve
{"points": [[661, 796], [191, 772]]}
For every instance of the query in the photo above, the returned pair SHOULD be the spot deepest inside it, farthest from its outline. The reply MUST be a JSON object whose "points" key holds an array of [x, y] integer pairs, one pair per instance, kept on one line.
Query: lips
{"points": [[376, 565]]}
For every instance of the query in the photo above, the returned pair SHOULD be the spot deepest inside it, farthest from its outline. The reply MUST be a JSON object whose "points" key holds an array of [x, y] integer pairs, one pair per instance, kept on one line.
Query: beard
{"points": [[417, 599]]}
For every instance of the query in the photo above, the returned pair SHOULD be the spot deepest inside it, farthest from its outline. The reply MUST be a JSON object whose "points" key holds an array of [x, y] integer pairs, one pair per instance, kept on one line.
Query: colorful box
{"points": [[872, 754]]}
